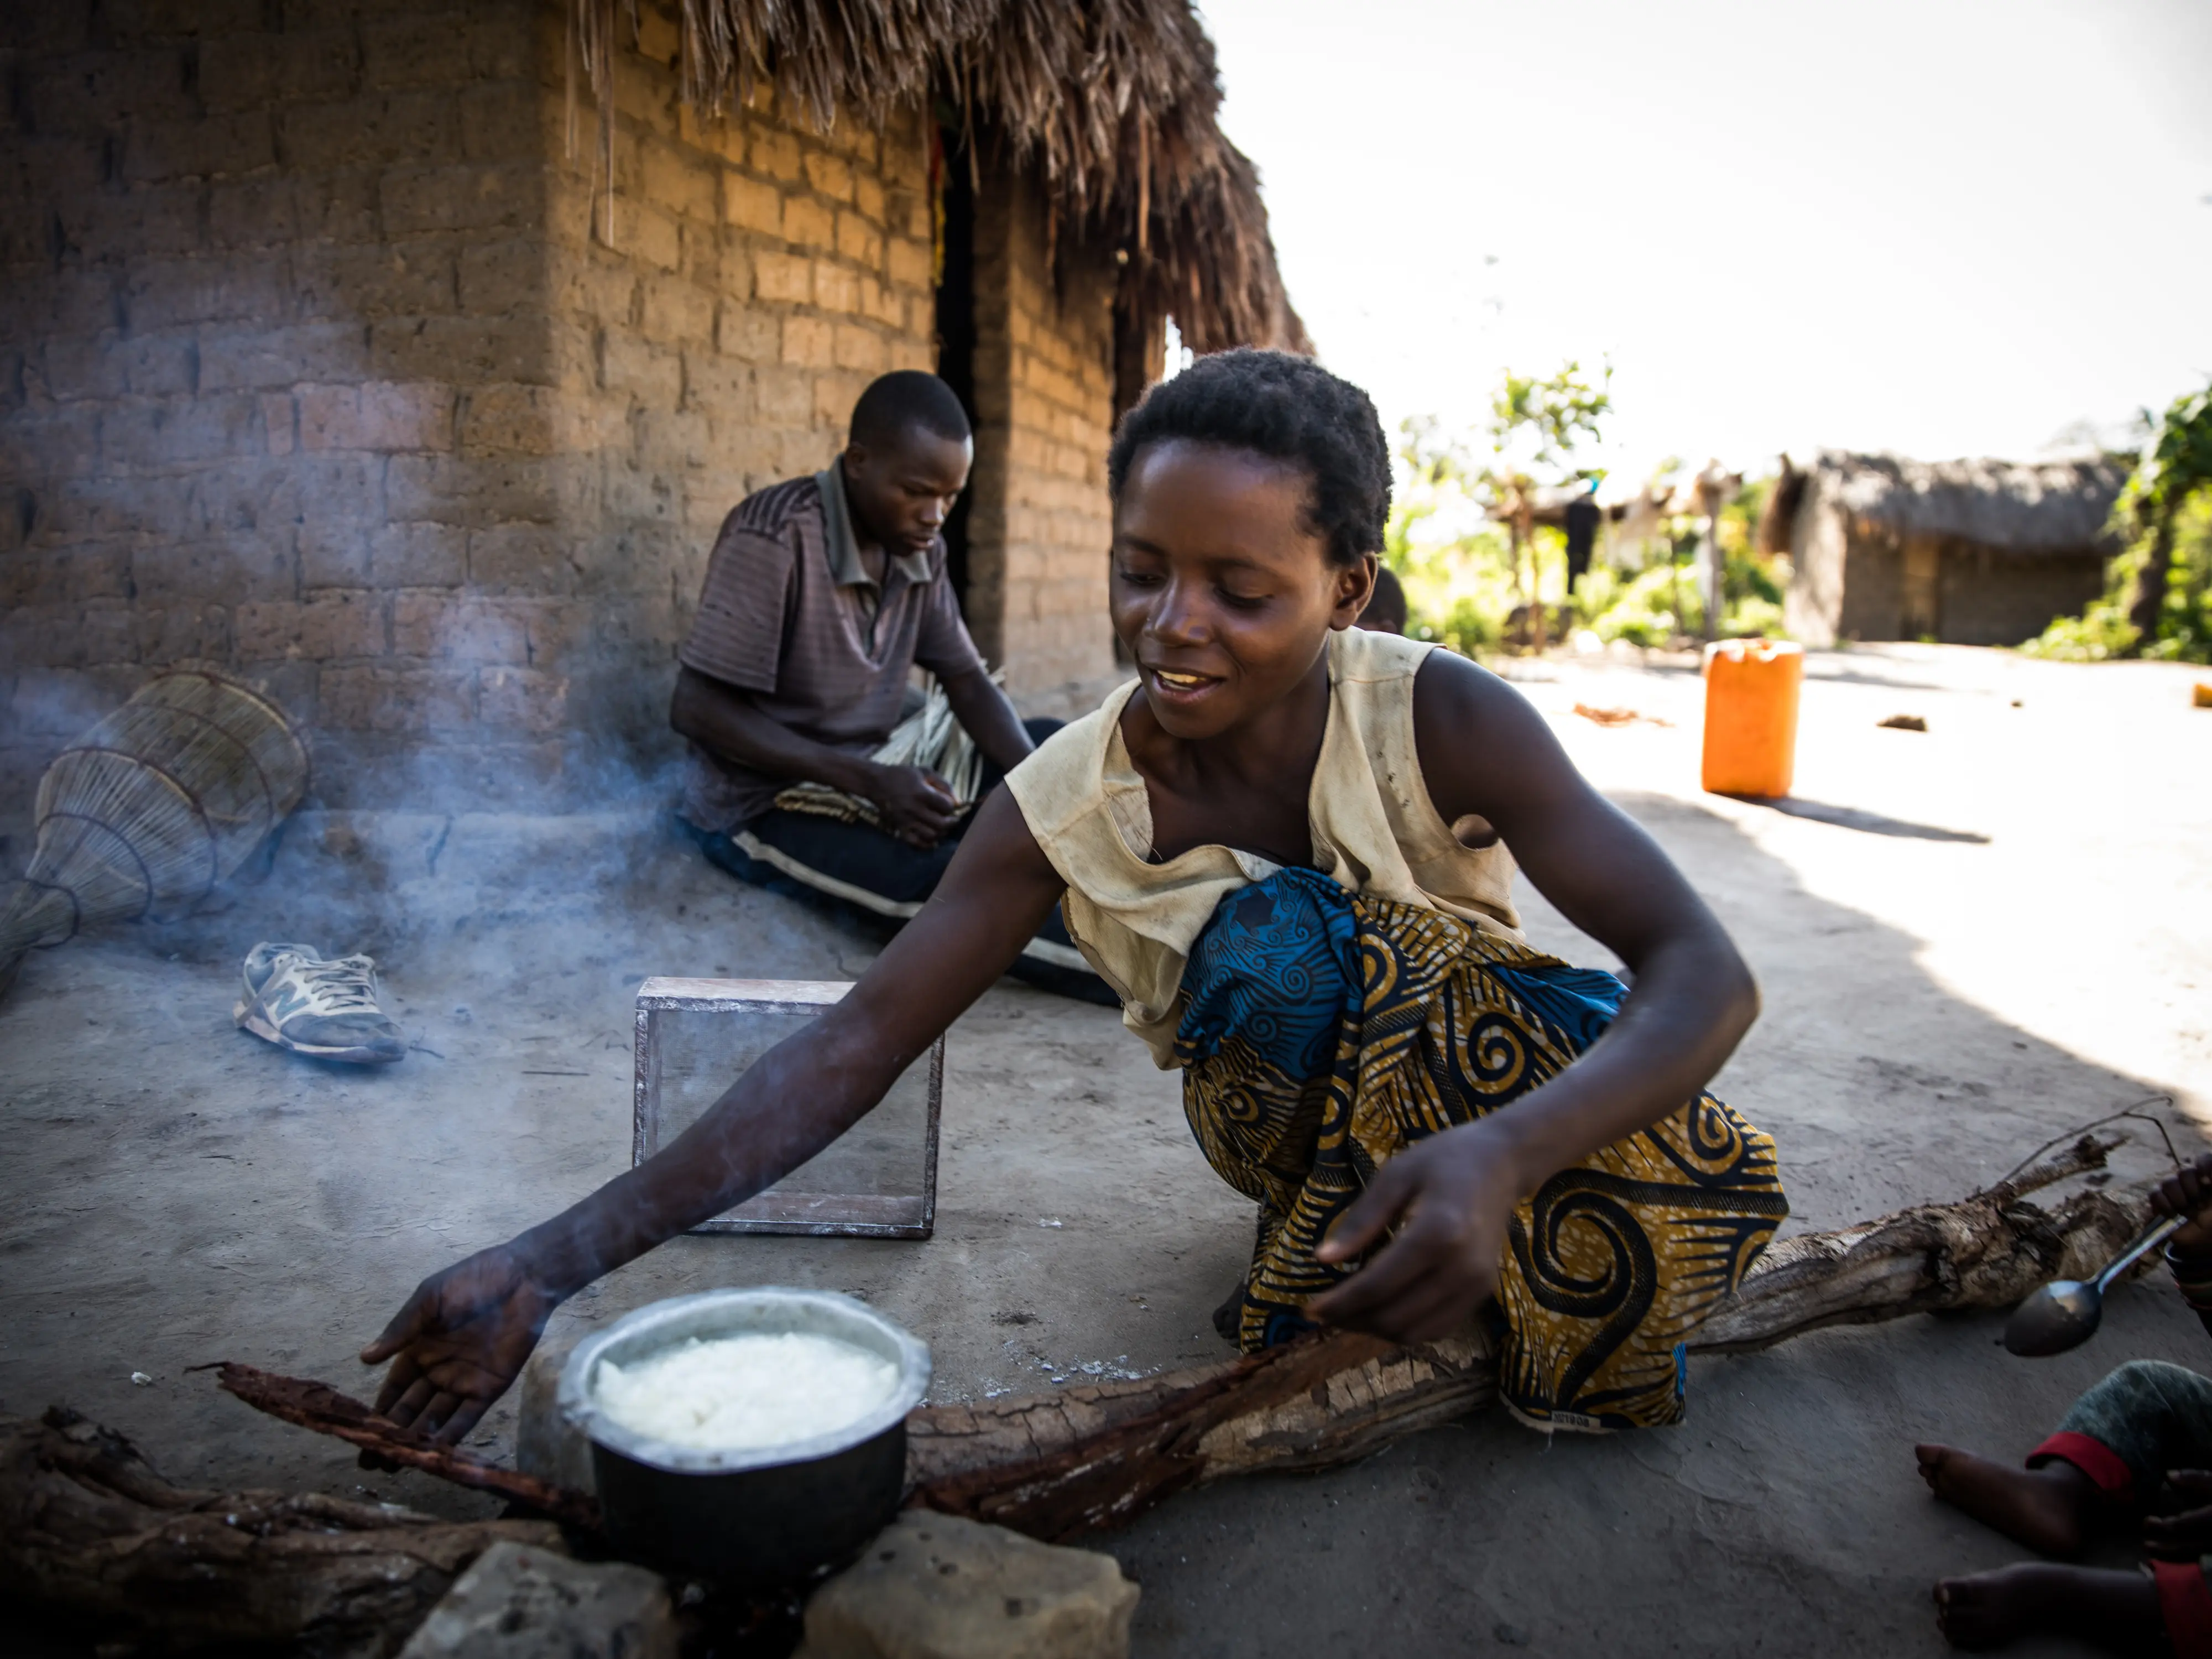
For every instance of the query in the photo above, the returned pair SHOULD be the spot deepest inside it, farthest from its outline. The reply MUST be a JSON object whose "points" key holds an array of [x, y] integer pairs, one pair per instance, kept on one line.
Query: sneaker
{"points": [[298, 999]]}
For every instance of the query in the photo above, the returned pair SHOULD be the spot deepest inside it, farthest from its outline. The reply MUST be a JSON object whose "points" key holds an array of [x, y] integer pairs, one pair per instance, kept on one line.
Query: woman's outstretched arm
{"points": [[462, 1338], [1486, 753]]}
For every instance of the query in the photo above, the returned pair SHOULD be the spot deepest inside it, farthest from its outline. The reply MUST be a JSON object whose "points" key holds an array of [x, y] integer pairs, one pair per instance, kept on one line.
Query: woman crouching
{"points": [[1288, 845]]}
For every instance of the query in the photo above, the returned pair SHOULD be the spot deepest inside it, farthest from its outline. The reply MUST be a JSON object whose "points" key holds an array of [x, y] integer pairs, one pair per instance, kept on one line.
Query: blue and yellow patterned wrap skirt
{"points": [[1324, 1031]]}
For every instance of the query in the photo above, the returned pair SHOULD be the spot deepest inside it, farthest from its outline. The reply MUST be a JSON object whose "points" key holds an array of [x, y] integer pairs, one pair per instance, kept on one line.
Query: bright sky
{"points": [[1944, 226]]}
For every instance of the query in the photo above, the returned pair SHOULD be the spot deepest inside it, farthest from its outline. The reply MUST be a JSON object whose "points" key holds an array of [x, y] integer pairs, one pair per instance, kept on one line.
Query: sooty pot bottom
{"points": [[758, 1529]]}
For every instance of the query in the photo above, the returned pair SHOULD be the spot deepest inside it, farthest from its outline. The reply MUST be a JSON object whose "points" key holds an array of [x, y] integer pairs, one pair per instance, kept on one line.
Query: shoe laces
{"points": [[345, 985]]}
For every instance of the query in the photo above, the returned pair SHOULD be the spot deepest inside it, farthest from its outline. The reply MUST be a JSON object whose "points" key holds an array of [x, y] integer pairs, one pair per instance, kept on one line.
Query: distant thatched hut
{"points": [[1973, 552], [406, 357]]}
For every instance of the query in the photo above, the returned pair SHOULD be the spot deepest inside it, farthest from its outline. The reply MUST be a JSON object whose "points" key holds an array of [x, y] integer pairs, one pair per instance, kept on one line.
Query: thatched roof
{"points": [[2020, 507], [1115, 100]]}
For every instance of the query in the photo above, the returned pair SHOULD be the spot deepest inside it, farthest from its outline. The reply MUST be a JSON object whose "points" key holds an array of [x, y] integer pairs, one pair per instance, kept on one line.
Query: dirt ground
{"points": [[1969, 939]]}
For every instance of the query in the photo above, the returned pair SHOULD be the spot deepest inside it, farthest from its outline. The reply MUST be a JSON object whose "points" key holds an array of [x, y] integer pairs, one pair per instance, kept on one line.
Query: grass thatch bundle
{"points": [[1115, 100]]}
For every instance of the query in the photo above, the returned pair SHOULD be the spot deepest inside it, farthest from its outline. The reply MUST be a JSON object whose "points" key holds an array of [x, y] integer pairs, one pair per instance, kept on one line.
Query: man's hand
{"points": [[460, 1342], [918, 807], [1444, 1203], [2188, 1192]]}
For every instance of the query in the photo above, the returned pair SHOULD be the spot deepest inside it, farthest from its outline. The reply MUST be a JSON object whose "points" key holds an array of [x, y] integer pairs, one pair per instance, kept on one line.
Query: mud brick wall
{"points": [[1044, 395], [322, 358]]}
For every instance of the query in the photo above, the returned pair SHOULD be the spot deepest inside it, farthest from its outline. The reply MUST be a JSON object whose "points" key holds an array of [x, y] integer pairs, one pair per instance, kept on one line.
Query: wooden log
{"points": [[321, 1407], [88, 1528], [1058, 1466]]}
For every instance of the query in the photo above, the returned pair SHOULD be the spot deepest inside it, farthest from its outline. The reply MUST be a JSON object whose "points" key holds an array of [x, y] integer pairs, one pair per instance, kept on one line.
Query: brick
{"points": [[808, 223], [404, 279], [382, 416], [676, 311], [478, 197], [859, 240], [174, 633], [786, 396], [523, 699], [394, 697], [95, 93], [528, 557], [460, 349], [510, 120], [107, 224], [186, 573], [279, 423], [209, 147], [245, 358], [868, 198], [752, 204], [497, 277], [716, 386], [242, 72], [646, 232], [445, 489], [835, 287], [335, 553], [260, 496], [160, 293], [681, 184], [777, 155], [342, 622], [859, 348], [746, 333], [808, 342], [909, 263], [783, 278], [177, 431], [407, 50], [510, 420], [259, 212], [504, 44], [441, 625], [71, 368], [411, 554], [652, 373], [830, 174]]}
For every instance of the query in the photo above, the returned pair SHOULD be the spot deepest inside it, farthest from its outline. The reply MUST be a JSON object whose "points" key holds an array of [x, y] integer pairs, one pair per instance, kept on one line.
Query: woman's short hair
{"points": [[1288, 409]]}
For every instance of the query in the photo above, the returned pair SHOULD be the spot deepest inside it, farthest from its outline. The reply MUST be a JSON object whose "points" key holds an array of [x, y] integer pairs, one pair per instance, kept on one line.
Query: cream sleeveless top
{"points": [[1375, 831]]}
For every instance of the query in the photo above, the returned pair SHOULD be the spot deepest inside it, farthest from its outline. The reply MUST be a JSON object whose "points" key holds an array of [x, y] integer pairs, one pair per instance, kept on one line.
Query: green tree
{"points": [[1536, 422]]}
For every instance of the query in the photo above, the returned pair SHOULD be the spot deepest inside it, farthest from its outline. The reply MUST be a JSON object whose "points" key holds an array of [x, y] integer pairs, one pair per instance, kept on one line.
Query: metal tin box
{"points": [[697, 1036]]}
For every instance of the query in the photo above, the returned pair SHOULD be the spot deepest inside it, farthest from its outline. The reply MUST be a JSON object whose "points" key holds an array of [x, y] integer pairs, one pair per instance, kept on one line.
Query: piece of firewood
{"points": [[318, 1406], [88, 1528], [1057, 1465]]}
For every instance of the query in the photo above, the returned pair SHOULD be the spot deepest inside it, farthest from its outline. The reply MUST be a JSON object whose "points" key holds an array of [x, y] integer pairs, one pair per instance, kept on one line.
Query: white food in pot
{"points": [[740, 1393]]}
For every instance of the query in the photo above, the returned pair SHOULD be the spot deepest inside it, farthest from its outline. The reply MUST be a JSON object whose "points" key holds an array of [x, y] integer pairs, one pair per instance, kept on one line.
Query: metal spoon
{"points": [[2065, 1313]]}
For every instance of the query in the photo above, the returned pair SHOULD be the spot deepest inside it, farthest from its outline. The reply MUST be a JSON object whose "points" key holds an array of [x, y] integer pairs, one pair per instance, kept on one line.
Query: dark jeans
{"points": [[875, 878]]}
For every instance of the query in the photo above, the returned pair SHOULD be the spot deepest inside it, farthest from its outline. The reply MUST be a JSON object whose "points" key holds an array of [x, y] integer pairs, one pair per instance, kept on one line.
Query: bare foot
{"points": [[2116, 1610], [2053, 1509]]}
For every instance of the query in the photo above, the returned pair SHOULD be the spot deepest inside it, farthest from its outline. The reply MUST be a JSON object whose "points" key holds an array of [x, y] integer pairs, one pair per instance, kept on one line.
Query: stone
{"points": [[937, 1587], [516, 1602]]}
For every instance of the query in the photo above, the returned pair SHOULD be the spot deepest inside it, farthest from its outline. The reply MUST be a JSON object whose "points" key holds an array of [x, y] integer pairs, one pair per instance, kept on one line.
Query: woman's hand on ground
{"points": [[917, 804], [2188, 1535], [2188, 1192], [460, 1342], [1443, 1203]]}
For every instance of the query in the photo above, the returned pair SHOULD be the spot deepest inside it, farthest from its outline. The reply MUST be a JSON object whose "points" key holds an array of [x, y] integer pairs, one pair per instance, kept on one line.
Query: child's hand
{"points": [[2188, 1192], [2188, 1535]]}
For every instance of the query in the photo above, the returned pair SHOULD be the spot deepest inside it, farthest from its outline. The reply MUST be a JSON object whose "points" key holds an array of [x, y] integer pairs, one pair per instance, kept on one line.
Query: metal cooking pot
{"points": [[767, 1515]]}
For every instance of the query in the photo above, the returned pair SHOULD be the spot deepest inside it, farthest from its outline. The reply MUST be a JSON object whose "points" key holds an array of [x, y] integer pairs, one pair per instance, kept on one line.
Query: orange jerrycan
{"points": [[1751, 716]]}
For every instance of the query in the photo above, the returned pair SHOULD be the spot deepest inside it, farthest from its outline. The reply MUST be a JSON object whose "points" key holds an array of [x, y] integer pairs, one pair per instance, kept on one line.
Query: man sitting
{"points": [[822, 595]]}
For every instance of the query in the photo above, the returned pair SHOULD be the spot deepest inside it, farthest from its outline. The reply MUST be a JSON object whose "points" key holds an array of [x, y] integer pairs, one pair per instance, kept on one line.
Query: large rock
{"points": [[934, 1587], [518, 1603]]}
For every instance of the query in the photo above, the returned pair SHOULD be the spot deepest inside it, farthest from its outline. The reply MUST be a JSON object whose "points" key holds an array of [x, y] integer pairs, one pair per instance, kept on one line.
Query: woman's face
{"points": [[1220, 591]]}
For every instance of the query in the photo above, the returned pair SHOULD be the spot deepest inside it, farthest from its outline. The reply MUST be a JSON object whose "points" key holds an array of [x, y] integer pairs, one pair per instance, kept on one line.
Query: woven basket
{"points": [[143, 815]]}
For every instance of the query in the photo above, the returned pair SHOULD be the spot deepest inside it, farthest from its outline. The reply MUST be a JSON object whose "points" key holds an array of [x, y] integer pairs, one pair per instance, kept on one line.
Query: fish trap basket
{"points": [[141, 817]]}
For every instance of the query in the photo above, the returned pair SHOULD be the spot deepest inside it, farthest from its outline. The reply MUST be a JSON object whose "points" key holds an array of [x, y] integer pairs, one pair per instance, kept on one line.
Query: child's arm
{"points": [[463, 1336], [1486, 752]]}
